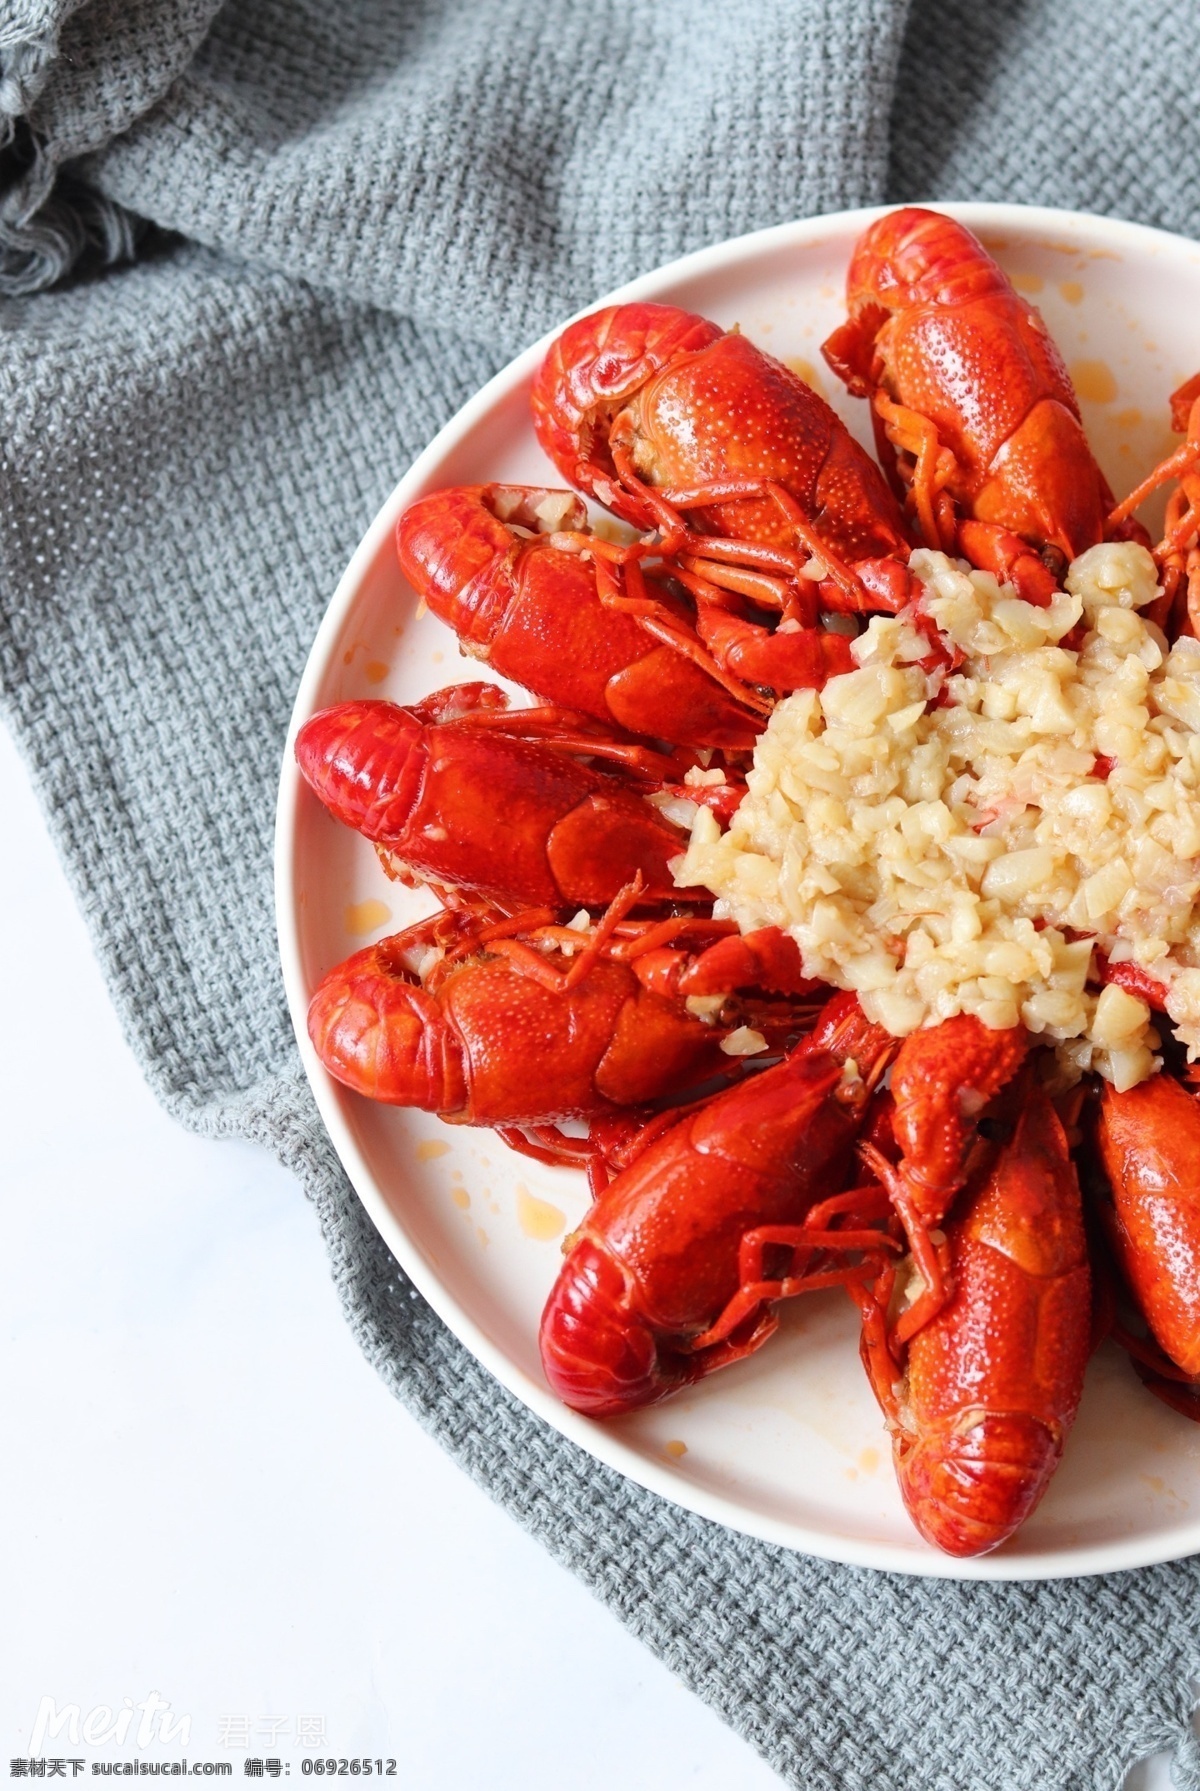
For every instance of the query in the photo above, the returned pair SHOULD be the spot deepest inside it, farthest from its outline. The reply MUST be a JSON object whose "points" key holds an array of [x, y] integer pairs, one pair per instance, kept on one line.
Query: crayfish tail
{"points": [[599, 1356], [969, 1490], [378, 1032], [364, 760]]}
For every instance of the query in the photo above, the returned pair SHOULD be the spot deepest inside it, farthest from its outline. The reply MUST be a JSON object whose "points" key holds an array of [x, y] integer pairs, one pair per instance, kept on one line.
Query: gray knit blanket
{"points": [[253, 256]]}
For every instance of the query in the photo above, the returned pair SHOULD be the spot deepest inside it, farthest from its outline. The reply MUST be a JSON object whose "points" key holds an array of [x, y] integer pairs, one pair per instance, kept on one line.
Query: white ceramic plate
{"points": [[788, 1445]]}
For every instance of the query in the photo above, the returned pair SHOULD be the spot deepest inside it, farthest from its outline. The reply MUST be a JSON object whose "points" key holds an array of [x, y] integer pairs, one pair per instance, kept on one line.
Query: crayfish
{"points": [[750, 1134]]}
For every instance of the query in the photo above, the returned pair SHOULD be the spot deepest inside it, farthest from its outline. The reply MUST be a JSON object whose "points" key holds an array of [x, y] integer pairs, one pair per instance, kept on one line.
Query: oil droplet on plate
{"points": [[1128, 419], [1155, 1482], [482, 1235], [1072, 291], [437, 657], [868, 1460], [376, 671], [429, 1148], [461, 1198], [422, 608], [1029, 283], [807, 372], [675, 1448], [1093, 381], [364, 917], [537, 1218]]}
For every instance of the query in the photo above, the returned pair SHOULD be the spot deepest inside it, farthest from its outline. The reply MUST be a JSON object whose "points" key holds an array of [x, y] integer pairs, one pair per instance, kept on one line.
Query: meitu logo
{"points": [[102, 1724]]}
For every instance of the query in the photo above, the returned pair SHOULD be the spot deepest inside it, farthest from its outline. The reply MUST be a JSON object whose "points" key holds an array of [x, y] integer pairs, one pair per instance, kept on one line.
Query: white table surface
{"points": [[209, 1495]]}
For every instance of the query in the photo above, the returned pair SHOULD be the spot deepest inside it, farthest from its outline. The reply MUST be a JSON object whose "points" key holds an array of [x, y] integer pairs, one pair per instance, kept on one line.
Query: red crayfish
{"points": [[522, 1021], [677, 1238], [1147, 1139], [515, 573], [981, 1406], [975, 415], [567, 979], [461, 794], [660, 414]]}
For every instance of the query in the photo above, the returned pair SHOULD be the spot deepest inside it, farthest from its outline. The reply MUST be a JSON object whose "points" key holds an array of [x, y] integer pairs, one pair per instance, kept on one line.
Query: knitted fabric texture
{"points": [[302, 236]]}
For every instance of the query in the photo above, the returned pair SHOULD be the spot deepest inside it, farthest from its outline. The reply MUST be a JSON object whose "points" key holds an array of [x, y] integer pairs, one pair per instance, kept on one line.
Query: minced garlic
{"points": [[968, 857]]}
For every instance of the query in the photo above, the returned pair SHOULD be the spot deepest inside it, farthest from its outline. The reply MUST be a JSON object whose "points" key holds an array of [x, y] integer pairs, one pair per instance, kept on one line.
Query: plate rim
{"points": [[603, 1442]]}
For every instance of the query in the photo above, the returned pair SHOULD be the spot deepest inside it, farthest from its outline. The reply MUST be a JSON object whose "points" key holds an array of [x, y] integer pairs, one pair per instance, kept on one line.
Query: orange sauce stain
{"points": [[437, 657], [850, 1473], [868, 1460], [429, 1148], [1094, 382], [364, 917], [483, 1237], [376, 671], [1029, 283], [538, 1218], [461, 1198], [675, 1448], [1128, 419], [808, 373], [1155, 1482], [1071, 290]]}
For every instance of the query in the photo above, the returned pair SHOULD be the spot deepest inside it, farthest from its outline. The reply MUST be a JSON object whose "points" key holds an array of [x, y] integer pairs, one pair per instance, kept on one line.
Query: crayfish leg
{"points": [[943, 1078]]}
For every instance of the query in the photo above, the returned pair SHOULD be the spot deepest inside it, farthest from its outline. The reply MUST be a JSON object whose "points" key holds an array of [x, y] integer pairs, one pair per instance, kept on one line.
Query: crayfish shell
{"points": [[970, 1486], [599, 1356]]}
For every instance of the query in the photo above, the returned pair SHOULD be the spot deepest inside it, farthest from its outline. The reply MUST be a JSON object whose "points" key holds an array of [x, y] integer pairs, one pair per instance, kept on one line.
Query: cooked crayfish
{"points": [[1178, 553], [975, 415], [981, 1408], [657, 412], [638, 399], [675, 1243], [461, 794], [514, 571], [521, 1021]]}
